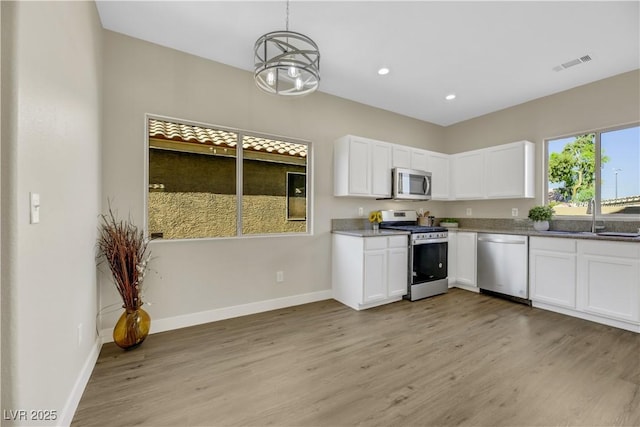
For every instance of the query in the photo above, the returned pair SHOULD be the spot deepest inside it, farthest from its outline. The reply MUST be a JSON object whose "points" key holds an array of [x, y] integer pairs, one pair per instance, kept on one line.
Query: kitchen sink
{"points": [[601, 233], [618, 234], [565, 232]]}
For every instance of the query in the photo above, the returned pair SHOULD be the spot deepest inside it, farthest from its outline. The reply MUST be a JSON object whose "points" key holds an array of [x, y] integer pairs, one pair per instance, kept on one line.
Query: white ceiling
{"points": [[492, 55]]}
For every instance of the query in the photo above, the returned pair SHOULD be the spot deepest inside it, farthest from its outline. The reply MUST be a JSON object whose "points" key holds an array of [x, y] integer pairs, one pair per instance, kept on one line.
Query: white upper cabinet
{"points": [[419, 160], [362, 167], [380, 169], [424, 160], [401, 157], [438, 165], [509, 171], [499, 172], [409, 158], [467, 177]]}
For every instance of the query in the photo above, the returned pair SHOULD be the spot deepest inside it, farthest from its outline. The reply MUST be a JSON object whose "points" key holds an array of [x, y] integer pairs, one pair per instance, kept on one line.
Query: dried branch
{"points": [[124, 248]]}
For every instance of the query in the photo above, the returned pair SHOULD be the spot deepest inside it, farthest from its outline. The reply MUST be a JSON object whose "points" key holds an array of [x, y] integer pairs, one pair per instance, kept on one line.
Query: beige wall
{"points": [[51, 71], [77, 150], [195, 276], [198, 276], [605, 103]]}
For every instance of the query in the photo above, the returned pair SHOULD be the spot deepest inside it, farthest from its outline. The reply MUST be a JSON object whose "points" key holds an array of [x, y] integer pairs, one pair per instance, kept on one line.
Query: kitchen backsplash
{"points": [[504, 224], [554, 224]]}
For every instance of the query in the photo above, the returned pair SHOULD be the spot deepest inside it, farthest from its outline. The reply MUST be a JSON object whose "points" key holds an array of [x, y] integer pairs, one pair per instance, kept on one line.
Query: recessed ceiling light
{"points": [[450, 97], [383, 71]]}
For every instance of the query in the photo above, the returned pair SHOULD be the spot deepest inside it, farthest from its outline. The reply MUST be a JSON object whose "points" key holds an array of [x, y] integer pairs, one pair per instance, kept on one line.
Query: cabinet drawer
{"points": [[398, 241], [373, 243], [610, 249], [554, 244]]}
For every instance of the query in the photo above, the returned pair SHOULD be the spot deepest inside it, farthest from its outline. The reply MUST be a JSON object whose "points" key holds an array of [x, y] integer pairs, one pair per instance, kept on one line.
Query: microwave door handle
{"points": [[425, 185]]}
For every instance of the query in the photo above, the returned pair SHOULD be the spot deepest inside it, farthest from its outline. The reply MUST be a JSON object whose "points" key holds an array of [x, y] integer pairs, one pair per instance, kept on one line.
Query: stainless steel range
{"points": [[427, 272]]}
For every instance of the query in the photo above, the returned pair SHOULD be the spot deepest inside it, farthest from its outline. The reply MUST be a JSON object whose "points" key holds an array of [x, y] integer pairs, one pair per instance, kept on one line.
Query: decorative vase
{"points": [[132, 328], [541, 225], [376, 227]]}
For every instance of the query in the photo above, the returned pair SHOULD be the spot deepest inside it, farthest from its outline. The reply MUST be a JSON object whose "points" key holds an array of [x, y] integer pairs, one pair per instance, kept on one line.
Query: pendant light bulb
{"points": [[298, 83], [293, 72], [271, 78]]}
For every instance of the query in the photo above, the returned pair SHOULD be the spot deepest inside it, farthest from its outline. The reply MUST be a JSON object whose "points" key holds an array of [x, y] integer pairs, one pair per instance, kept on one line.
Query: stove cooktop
{"points": [[413, 228]]}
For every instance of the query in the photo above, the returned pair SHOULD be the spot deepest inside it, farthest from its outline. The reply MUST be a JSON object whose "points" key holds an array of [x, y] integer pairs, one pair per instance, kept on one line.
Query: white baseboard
{"points": [[467, 287], [69, 410], [628, 326], [192, 319]]}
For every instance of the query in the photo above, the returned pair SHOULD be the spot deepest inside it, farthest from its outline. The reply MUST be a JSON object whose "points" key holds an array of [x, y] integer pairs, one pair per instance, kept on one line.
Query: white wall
{"points": [[605, 103], [51, 81], [203, 276]]}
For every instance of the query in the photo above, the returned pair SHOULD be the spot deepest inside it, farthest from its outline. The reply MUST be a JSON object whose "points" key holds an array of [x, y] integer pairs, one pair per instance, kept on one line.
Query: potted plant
{"points": [[540, 215], [449, 222], [124, 249]]}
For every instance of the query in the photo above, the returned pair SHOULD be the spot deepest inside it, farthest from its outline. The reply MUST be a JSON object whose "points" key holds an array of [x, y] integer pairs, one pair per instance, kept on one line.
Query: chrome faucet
{"points": [[592, 206]]}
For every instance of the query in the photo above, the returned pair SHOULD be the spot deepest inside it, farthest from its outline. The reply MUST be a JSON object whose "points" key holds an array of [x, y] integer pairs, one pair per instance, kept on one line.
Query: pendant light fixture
{"points": [[287, 63]]}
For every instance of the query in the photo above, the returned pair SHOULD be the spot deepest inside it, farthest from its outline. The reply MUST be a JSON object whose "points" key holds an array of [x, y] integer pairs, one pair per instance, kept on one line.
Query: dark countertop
{"points": [[371, 233], [584, 235]]}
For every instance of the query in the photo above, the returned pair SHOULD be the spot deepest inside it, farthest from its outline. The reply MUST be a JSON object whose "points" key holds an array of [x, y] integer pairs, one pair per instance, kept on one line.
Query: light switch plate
{"points": [[34, 201], [514, 211]]}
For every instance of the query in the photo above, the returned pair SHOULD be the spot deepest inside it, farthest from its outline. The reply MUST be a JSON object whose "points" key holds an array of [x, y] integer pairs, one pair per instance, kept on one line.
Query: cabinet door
{"points": [[359, 170], [380, 170], [401, 157], [452, 257], [468, 175], [398, 265], [609, 279], [438, 165], [419, 160], [509, 170], [553, 277], [375, 276], [466, 259]]}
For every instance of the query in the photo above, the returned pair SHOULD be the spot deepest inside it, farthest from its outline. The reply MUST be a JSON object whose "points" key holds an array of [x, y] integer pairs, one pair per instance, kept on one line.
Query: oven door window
{"points": [[429, 262]]}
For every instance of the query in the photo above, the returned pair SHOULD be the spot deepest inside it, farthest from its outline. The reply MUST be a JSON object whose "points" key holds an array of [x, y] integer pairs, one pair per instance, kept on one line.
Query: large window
{"points": [[205, 181], [603, 165]]}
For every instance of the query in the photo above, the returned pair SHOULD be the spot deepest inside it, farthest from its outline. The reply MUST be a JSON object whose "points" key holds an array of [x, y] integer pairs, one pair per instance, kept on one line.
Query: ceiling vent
{"points": [[571, 63]]}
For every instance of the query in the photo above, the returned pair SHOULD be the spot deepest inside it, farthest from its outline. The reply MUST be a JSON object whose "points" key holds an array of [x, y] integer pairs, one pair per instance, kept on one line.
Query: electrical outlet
{"points": [[360, 211], [514, 211], [469, 211], [279, 276]]}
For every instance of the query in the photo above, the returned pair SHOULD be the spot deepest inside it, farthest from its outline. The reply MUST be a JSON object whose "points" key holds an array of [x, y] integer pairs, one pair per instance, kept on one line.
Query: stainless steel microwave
{"points": [[410, 184]]}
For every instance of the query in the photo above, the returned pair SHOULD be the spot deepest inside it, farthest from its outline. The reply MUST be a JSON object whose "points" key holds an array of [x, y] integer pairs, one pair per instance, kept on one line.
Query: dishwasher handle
{"points": [[507, 241]]}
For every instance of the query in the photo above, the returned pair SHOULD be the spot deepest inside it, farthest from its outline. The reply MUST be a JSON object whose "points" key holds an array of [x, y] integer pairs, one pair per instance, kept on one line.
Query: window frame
{"points": [[239, 180], [598, 174]]}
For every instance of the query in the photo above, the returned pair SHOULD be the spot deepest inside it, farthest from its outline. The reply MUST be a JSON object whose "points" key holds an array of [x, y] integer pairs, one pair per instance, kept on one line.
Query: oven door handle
{"points": [[429, 241]]}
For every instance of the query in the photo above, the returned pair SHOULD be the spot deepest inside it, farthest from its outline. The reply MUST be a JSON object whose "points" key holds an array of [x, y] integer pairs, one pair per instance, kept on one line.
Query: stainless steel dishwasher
{"points": [[503, 264]]}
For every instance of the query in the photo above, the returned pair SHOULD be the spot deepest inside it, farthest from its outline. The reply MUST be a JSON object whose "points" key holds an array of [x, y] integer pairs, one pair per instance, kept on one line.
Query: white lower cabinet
{"points": [[593, 280], [552, 271], [369, 271], [462, 259], [609, 274], [466, 258], [452, 255]]}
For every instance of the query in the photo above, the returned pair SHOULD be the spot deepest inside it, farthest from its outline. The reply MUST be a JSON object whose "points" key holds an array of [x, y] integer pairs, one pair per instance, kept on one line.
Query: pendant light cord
{"points": [[287, 25]]}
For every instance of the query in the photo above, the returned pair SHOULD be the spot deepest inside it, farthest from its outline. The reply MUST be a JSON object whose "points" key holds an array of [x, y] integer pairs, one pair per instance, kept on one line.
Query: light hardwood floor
{"points": [[455, 359]]}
